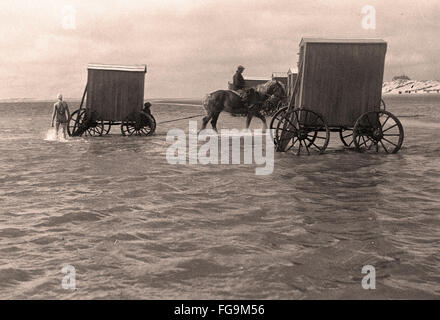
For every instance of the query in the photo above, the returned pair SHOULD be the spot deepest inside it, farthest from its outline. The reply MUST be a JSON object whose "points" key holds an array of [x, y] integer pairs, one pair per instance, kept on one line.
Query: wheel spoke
{"points": [[364, 141], [307, 148], [146, 130], [299, 148], [371, 144], [386, 150], [383, 125], [291, 123], [293, 144], [313, 144], [389, 141], [394, 125]]}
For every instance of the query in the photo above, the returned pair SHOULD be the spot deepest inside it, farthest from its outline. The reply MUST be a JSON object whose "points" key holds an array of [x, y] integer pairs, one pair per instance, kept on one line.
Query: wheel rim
{"points": [[75, 121], [107, 127], [302, 130], [154, 121], [274, 122], [383, 106], [378, 131], [346, 135]]}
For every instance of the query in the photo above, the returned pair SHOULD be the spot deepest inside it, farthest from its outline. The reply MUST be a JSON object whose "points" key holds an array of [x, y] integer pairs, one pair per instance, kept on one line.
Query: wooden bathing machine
{"points": [[340, 79], [114, 95], [338, 89], [115, 91]]}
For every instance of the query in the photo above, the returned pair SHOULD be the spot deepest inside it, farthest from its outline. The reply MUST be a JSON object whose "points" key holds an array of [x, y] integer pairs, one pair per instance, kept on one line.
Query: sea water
{"points": [[134, 226]]}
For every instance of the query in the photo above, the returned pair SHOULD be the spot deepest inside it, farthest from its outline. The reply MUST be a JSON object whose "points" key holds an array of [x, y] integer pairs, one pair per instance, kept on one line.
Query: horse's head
{"points": [[276, 89]]}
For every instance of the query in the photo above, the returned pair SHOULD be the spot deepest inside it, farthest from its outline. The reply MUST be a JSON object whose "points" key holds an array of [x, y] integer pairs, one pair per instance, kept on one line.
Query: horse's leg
{"points": [[249, 117], [262, 118], [205, 121], [214, 121]]}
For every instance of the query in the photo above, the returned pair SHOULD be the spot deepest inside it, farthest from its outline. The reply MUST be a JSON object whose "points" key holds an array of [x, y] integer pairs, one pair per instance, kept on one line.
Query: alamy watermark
{"points": [[69, 280], [68, 17], [368, 21], [369, 281], [185, 148]]}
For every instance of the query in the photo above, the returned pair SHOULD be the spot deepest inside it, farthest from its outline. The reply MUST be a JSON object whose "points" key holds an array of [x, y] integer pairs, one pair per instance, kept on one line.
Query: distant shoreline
{"points": [[78, 100], [396, 87], [408, 87], [186, 102], [404, 94]]}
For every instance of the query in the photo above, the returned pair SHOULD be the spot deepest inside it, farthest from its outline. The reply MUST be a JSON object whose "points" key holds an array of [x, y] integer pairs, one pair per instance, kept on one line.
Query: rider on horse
{"points": [[238, 84], [238, 80]]}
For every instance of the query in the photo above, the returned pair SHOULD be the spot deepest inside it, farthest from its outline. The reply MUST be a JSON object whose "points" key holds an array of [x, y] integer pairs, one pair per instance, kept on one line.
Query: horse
{"points": [[229, 101]]}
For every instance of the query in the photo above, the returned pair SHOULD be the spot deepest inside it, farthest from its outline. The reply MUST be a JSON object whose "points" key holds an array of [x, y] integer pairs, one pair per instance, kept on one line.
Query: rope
{"points": [[199, 115]]}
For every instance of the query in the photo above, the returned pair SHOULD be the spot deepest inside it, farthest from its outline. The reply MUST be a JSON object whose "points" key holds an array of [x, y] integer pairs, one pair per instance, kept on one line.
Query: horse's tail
{"points": [[207, 102]]}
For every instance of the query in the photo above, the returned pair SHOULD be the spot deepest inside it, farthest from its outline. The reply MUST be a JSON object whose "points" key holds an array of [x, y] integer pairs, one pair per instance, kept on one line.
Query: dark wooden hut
{"points": [[115, 91], [340, 79]]}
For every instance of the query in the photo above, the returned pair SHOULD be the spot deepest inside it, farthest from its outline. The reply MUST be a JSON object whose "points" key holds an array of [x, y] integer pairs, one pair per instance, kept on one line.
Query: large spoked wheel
{"points": [[139, 124], [302, 130], [346, 135], [274, 122], [95, 128], [76, 123], [378, 130]]}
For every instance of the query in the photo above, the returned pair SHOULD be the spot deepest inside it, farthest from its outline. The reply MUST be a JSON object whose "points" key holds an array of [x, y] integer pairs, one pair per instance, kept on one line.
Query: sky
{"points": [[192, 47]]}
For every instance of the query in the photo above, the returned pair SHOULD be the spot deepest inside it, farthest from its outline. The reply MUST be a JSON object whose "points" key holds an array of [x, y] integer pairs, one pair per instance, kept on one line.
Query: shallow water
{"points": [[137, 227]]}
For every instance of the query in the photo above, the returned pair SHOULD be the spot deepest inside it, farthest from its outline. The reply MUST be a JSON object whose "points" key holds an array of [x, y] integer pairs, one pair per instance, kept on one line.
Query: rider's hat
{"points": [[240, 67]]}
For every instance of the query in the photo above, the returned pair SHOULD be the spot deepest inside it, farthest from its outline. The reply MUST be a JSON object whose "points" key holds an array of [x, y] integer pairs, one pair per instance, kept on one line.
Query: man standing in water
{"points": [[62, 114]]}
